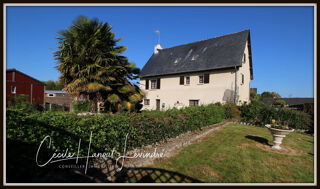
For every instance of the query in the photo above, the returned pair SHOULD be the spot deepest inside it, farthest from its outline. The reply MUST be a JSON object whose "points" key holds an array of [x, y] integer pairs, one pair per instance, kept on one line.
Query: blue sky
{"points": [[281, 38]]}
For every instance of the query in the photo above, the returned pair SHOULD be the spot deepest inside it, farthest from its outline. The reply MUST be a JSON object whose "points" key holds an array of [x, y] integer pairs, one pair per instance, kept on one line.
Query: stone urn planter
{"points": [[278, 135]]}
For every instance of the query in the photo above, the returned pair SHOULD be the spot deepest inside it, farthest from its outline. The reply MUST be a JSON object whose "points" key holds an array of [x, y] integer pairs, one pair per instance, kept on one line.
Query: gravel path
{"points": [[172, 146]]}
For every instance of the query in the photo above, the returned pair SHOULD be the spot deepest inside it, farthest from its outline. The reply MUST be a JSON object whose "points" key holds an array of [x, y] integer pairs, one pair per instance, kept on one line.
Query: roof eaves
{"points": [[14, 70]]}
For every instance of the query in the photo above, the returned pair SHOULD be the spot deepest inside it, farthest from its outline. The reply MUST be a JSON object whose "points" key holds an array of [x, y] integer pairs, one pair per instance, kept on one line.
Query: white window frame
{"points": [[13, 89], [200, 79], [154, 81], [49, 95], [187, 79]]}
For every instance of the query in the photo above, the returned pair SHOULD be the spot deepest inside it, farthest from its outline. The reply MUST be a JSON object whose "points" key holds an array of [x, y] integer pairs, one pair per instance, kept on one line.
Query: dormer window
{"points": [[194, 57]]}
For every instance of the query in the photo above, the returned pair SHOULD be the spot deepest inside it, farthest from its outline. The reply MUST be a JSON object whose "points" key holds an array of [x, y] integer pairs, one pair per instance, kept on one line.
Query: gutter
{"points": [[235, 85]]}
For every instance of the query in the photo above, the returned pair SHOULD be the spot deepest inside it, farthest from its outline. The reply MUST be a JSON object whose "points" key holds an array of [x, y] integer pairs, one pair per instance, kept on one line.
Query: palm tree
{"points": [[90, 62]]}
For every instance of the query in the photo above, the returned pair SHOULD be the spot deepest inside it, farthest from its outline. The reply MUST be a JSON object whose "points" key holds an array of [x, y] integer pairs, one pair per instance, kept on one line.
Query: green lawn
{"points": [[240, 154]]}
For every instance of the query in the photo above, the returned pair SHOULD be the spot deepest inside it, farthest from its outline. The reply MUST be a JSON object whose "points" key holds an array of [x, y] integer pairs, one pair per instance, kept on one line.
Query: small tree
{"points": [[281, 103]]}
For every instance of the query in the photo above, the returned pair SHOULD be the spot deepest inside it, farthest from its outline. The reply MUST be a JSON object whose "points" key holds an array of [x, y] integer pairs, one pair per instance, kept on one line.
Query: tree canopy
{"points": [[268, 94], [91, 64], [53, 85]]}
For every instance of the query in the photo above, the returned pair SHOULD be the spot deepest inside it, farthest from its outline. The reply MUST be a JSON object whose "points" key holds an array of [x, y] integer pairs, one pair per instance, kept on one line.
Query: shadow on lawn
{"points": [[258, 139], [22, 168]]}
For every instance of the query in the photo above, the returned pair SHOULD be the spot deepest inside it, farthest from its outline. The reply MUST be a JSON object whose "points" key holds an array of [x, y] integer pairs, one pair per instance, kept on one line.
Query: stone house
{"points": [[203, 72]]}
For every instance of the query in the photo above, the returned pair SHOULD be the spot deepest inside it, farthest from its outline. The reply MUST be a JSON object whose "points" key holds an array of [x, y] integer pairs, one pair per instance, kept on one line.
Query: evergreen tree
{"points": [[91, 64]]}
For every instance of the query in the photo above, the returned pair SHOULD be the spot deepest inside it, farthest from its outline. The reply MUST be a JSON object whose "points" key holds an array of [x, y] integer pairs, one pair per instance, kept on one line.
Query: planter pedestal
{"points": [[278, 135], [277, 140]]}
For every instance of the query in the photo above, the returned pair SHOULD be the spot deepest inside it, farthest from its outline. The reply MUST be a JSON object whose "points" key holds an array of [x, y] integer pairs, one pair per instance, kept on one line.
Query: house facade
{"points": [[204, 72], [18, 83], [58, 99]]}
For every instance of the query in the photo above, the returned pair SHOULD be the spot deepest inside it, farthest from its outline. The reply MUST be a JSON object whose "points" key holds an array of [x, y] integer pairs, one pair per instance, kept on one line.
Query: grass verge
{"points": [[242, 154]]}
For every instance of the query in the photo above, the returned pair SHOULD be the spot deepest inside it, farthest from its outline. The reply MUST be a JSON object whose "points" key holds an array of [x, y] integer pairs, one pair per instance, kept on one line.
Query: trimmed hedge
{"points": [[259, 113], [109, 131]]}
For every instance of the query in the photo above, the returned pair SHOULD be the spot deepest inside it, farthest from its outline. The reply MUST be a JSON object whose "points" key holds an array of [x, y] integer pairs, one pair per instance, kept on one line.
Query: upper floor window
{"points": [[244, 58], [153, 84], [188, 80], [13, 89], [201, 79], [204, 78], [51, 95]]}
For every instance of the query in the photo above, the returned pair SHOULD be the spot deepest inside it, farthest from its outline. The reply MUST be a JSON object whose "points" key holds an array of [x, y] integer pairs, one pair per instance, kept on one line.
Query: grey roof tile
{"points": [[215, 53]]}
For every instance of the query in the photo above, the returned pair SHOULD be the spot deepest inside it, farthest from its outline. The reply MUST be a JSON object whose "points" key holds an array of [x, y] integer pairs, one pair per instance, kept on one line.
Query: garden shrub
{"points": [[231, 111], [259, 113], [280, 103], [84, 106], [20, 102], [108, 131]]}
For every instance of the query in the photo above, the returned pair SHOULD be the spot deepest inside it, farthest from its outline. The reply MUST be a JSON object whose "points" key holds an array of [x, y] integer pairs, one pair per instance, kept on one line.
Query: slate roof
{"points": [[289, 101], [220, 52], [55, 92]]}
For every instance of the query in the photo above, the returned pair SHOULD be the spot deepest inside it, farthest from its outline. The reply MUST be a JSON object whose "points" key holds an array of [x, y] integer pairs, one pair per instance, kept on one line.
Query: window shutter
{"points": [[206, 78], [242, 79], [158, 83], [181, 80], [147, 83]]}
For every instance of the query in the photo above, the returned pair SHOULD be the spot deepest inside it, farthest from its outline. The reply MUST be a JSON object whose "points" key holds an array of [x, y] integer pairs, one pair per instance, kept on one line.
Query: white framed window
{"points": [[50, 95], [201, 79], [146, 101], [13, 89], [188, 80], [193, 102], [153, 84]]}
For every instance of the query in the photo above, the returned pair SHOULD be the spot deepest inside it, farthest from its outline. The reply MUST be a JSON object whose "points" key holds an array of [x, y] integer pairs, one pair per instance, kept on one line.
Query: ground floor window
{"points": [[146, 101], [13, 89], [193, 102]]}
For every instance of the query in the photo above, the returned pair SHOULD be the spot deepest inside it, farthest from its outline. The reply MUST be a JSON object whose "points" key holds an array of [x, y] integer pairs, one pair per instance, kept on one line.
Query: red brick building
{"points": [[20, 83]]}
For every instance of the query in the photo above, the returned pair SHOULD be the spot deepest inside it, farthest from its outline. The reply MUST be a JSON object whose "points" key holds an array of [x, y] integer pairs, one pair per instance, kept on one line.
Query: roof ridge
{"points": [[204, 40]]}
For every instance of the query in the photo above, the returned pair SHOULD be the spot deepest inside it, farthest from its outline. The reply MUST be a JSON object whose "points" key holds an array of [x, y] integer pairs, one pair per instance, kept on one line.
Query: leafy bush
{"points": [[259, 113], [109, 131], [280, 103], [231, 111], [20, 102], [84, 106]]}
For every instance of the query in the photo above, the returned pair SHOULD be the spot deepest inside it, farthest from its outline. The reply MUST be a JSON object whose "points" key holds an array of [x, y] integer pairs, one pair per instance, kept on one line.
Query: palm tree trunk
{"points": [[93, 106]]}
